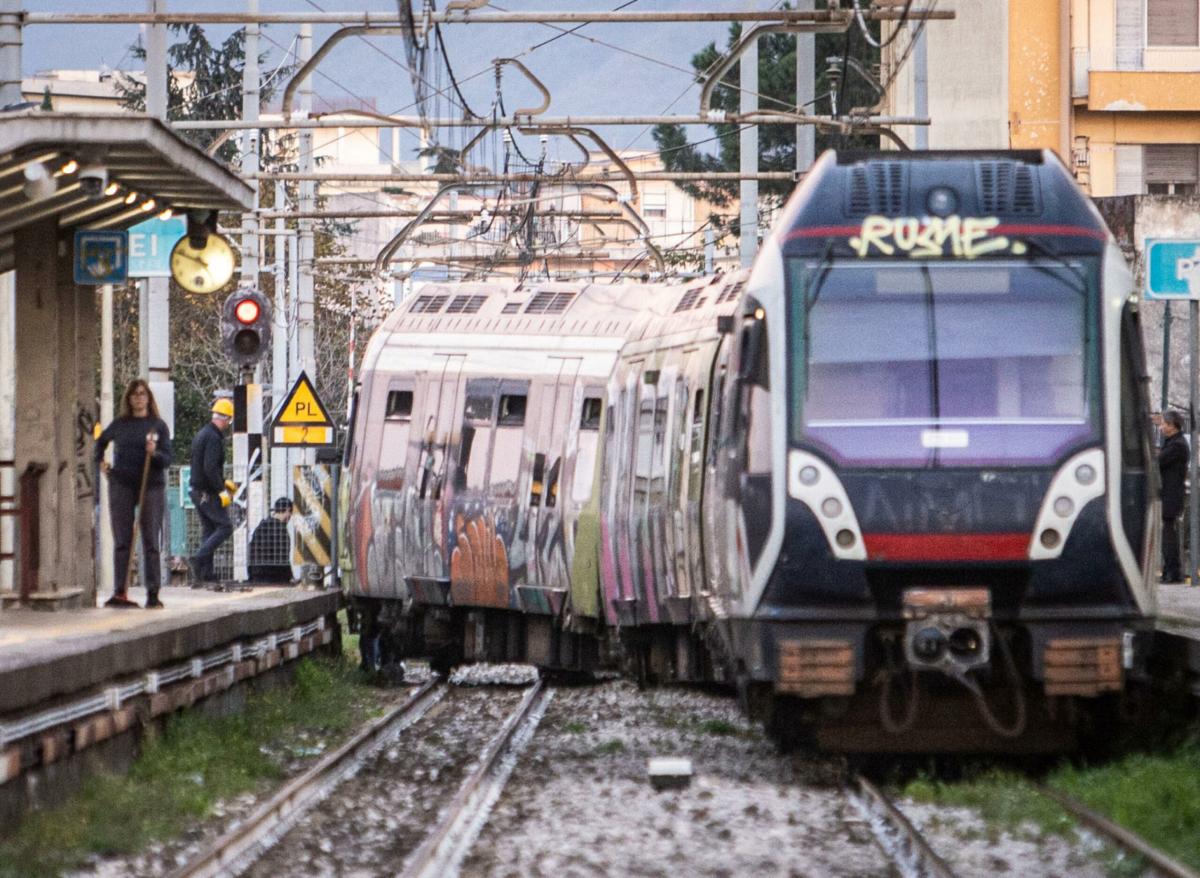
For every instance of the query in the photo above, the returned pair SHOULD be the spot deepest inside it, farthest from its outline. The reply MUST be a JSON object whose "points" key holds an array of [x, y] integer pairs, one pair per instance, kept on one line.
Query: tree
{"points": [[777, 90]]}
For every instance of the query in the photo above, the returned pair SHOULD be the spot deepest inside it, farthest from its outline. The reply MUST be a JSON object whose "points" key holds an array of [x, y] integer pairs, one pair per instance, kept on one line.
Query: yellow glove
{"points": [[231, 486], [226, 499]]}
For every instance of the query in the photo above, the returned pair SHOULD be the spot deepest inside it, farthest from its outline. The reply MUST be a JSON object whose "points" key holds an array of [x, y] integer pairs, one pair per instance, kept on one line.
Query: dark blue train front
{"points": [[944, 483]]}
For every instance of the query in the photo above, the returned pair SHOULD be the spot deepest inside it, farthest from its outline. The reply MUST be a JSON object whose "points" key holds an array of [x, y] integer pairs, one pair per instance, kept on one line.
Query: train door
{"points": [[387, 562], [695, 483], [583, 443], [643, 475], [678, 480], [626, 449], [441, 418], [552, 561], [660, 542], [504, 471], [713, 505]]}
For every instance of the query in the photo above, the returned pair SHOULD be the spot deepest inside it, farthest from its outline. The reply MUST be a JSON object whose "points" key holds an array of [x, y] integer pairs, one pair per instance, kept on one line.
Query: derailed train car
{"points": [[895, 483]]}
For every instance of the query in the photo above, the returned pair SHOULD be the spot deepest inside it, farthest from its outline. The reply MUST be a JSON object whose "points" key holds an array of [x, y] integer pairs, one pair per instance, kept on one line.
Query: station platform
{"points": [[73, 678], [1179, 610]]}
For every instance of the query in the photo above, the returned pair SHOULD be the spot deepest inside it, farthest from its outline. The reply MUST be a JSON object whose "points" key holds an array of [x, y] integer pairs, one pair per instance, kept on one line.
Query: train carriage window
{"points": [[589, 418], [535, 485], [512, 410], [476, 435], [552, 483], [507, 443], [399, 405]]}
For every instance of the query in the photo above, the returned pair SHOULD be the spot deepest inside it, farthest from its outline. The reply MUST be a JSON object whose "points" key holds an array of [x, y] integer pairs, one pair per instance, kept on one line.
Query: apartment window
{"points": [[1171, 169], [654, 205], [1172, 22]]}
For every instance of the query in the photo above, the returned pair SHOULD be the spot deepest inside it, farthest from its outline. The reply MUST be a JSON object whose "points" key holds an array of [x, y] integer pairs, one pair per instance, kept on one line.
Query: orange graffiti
{"points": [[479, 565]]}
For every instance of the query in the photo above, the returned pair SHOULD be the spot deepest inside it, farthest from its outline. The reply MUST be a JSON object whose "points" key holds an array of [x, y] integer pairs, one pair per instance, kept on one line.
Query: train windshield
{"points": [[943, 363]]}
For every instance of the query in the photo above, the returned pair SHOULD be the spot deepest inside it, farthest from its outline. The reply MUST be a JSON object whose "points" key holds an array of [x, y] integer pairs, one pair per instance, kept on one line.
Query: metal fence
{"points": [[287, 539]]}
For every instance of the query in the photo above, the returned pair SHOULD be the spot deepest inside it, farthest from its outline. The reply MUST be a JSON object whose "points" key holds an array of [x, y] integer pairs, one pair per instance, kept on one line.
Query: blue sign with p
{"points": [[1172, 269]]}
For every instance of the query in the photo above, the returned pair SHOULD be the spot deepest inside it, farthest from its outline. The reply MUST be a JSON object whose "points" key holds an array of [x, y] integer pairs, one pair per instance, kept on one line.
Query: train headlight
{"points": [[809, 475], [1085, 474], [832, 507], [941, 201], [1050, 538], [1063, 507], [845, 538]]}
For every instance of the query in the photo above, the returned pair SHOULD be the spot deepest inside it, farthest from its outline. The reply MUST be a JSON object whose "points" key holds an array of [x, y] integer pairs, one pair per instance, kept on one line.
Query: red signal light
{"points": [[246, 311]]}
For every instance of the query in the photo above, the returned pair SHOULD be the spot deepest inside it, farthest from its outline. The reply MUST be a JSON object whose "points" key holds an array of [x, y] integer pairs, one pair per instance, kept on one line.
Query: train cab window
{"points": [[399, 405], [512, 410], [535, 485], [589, 418]]}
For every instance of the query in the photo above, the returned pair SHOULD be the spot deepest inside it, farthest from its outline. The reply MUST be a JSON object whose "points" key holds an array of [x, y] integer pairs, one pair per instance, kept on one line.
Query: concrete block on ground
{"points": [[669, 772]]}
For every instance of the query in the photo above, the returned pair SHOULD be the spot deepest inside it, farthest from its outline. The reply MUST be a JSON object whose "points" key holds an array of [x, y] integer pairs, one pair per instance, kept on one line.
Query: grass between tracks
{"points": [[194, 763], [1156, 795]]}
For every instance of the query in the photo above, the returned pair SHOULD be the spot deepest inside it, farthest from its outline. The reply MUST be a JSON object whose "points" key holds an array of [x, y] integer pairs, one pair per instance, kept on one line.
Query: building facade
{"points": [[1113, 86]]}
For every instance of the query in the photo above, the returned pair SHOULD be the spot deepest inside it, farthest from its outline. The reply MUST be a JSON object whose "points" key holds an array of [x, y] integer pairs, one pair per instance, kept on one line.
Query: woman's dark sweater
{"points": [[128, 435]]}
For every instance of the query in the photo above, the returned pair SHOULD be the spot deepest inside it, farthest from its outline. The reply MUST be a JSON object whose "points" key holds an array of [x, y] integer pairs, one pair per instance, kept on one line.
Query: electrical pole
{"points": [[748, 155], [154, 339], [305, 280], [247, 429], [806, 91], [279, 343], [920, 62]]}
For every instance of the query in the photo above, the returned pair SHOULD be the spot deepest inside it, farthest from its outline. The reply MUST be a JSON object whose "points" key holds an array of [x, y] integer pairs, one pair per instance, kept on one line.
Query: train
{"points": [[894, 484]]}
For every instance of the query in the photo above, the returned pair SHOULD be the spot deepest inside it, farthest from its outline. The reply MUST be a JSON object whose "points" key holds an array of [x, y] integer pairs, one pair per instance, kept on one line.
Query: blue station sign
{"points": [[101, 258], [1172, 268], [150, 244]]}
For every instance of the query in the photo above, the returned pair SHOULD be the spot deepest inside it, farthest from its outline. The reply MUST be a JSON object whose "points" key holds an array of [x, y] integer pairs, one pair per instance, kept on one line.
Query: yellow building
{"points": [[1112, 85]]}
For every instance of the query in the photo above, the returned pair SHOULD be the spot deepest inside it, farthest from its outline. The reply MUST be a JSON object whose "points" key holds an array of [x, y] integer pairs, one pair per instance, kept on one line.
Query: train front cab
{"points": [[960, 543]]}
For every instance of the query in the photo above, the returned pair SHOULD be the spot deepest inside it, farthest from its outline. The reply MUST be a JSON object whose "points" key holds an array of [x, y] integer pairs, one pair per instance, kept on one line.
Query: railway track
{"points": [[256, 842], [443, 850], [234, 851], [900, 841]]}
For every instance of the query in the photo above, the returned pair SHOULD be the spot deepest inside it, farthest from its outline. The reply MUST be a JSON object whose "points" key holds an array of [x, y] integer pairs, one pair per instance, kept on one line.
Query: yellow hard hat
{"points": [[223, 407]]}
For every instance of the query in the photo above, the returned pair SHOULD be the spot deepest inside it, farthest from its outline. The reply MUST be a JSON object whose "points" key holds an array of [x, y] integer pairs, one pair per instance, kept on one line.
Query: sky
{"points": [[642, 70]]}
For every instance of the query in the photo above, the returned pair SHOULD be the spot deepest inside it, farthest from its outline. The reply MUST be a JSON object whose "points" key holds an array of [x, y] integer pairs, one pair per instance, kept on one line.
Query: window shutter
{"points": [[1129, 34], [1172, 22], [1171, 163], [1129, 170]]}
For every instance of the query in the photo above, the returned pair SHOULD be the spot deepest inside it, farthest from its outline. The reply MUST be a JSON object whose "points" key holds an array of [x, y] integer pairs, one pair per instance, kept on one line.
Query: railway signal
{"points": [[246, 326]]}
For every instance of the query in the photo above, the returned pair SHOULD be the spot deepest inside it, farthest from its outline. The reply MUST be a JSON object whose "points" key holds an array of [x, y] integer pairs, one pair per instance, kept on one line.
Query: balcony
{"points": [[1144, 90]]}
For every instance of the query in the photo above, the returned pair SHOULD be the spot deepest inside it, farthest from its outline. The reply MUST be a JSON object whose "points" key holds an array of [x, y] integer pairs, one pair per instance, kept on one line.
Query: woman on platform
{"points": [[139, 468]]}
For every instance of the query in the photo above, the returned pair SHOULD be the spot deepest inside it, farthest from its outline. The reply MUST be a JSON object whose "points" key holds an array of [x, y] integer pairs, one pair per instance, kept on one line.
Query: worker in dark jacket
{"points": [[208, 489], [270, 546], [136, 433], [1172, 467]]}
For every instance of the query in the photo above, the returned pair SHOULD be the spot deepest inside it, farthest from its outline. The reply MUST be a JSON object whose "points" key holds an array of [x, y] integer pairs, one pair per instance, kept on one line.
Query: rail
{"points": [[1119, 835], [903, 843]]}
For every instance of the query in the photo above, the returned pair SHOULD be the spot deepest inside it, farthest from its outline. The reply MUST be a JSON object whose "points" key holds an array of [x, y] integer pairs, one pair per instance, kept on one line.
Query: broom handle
{"points": [[137, 524]]}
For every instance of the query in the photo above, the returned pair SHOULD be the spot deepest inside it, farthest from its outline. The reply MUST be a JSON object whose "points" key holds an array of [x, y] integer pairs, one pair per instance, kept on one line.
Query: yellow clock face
{"points": [[205, 270]]}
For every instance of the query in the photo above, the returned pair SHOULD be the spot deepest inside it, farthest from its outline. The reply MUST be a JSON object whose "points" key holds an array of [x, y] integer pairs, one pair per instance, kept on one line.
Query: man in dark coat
{"points": [[270, 548], [207, 485], [1172, 467]]}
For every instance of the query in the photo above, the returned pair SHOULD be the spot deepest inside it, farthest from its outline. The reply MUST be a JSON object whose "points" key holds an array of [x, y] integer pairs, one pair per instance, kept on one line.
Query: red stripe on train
{"points": [[947, 547]]}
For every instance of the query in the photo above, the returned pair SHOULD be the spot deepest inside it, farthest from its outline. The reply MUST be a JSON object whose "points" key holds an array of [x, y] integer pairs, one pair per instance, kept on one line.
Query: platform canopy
{"points": [[142, 158]]}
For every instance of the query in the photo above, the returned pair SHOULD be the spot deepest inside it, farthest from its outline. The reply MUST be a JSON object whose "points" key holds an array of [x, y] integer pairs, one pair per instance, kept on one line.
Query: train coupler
{"points": [[947, 630]]}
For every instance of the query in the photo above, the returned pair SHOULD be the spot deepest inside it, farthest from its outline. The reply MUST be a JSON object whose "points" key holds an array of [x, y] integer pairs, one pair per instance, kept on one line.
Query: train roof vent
{"points": [[876, 187], [465, 304], [691, 299], [730, 293], [428, 304], [1006, 187], [512, 308], [549, 302]]}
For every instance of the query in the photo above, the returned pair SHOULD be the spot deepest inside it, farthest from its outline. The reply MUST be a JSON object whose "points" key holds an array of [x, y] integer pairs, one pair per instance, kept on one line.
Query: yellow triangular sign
{"points": [[303, 406]]}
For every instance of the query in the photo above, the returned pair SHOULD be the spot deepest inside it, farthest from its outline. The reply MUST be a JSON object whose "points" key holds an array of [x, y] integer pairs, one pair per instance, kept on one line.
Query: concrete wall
{"points": [[968, 77], [1134, 218], [56, 344]]}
